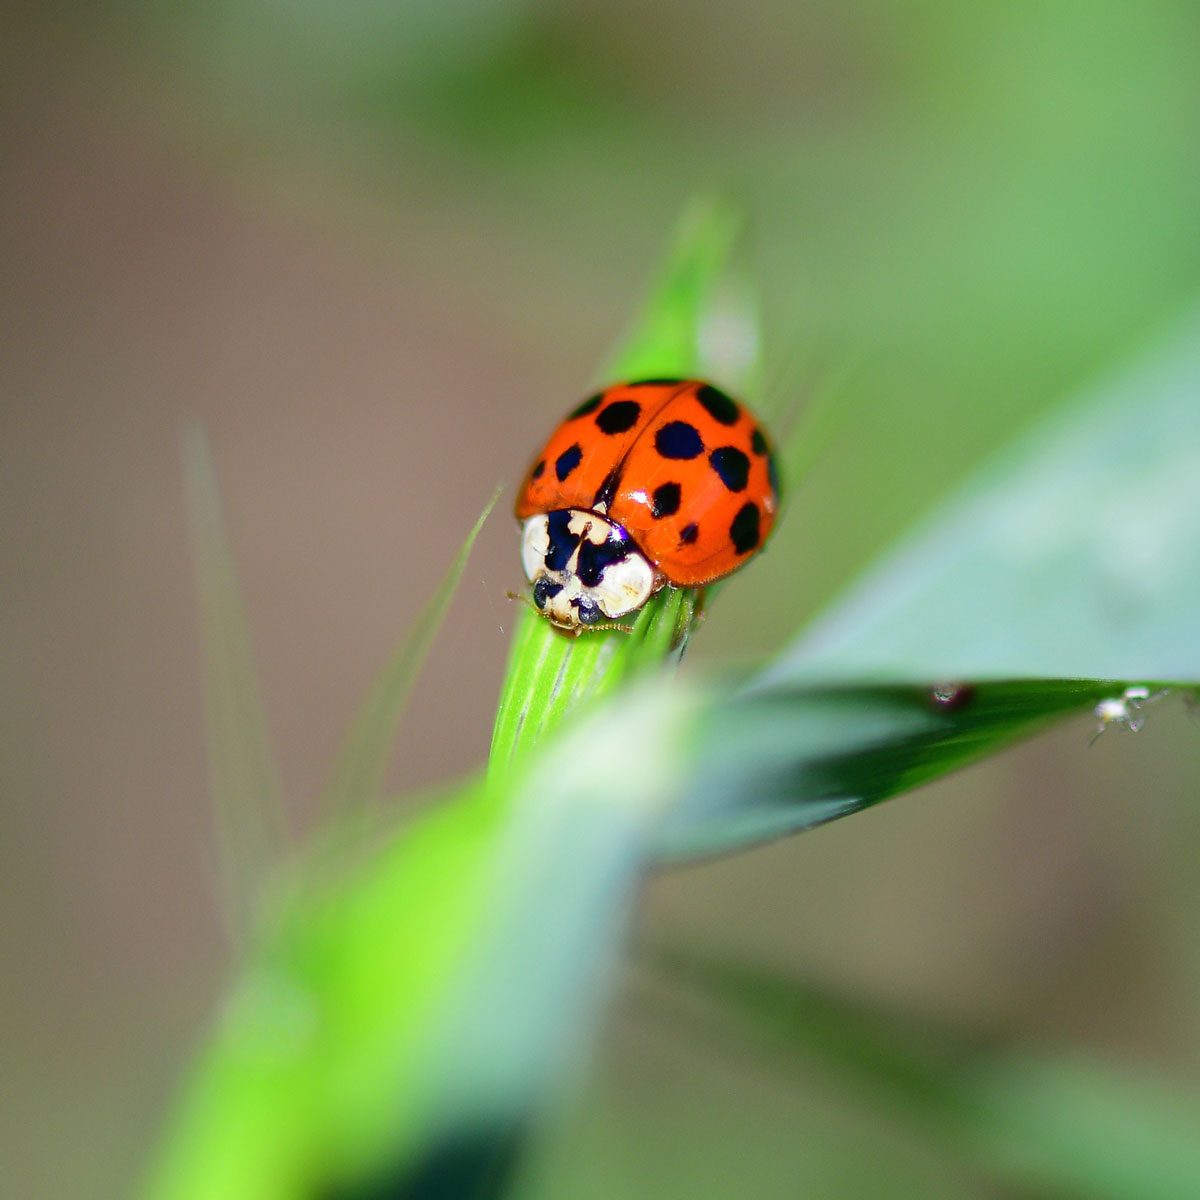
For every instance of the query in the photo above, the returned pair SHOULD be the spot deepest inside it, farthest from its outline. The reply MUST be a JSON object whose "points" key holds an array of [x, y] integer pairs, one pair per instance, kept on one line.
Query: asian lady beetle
{"points": [[644, 484]]}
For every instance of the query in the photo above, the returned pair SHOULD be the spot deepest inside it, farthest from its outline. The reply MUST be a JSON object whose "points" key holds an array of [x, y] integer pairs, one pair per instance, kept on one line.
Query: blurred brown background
{"points": [[375, 251]]}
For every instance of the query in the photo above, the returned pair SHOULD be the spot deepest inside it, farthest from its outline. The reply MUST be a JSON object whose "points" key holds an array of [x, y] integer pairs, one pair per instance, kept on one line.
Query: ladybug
{"points": [[662, 481]]}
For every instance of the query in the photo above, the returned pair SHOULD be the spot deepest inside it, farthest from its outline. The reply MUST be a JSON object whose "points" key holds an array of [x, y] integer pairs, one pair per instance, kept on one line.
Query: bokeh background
{"points": [[375, 249]]}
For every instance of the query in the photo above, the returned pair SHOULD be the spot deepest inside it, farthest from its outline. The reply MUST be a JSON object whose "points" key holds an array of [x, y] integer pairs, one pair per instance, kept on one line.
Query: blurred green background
{"points": [[376, 249]]}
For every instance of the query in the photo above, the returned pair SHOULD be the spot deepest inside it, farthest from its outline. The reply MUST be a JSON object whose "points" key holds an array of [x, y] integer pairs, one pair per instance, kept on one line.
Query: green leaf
{"points": [[311, 1059], [249, 815], [551, 674], [563, 877], [435, 992], [1059, 1124], [1061, 576], [1075, 554], [778, 760], [695, 323], [1085, 1128]]}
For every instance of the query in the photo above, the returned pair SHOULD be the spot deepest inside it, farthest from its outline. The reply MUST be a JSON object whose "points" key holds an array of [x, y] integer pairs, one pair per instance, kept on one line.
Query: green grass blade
{"points": [[566, 869], [550, 675], [436, 993], [358, 775], [684, 330], [249, 815], [313, 1049], [1058, 1125], [1079, 1127], [832, 405], [1078, 549], [1075, 554], [697, 320], [780, 760]]}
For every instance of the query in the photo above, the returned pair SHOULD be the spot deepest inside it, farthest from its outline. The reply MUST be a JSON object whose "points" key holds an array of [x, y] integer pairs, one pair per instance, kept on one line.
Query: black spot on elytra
{"points": [[688, 534], [562, 540], [588, 406], [718, 405], [567, 461], [595, 560], [744, 530], [758, 443], [732, 466], [544, 589], [608, 489], [618, 417], [678, 439], [665, 501], [539, 469]]}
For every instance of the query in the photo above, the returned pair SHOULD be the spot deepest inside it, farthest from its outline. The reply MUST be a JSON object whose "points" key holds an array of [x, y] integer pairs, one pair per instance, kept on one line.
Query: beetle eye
{"points": [[589, 611], [543, 590]]}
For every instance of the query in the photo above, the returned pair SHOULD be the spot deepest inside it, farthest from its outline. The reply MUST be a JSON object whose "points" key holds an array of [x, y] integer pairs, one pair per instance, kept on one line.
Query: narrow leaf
{"points": [[1076, 554], [1059, 578], [1063, 1125], [358, 775], [404, 1024], [249, 814], [697, 320], [778, 759]]}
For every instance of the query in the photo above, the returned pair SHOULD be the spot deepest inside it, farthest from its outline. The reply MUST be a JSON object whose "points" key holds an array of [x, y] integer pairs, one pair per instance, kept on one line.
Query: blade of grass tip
{"points": [[805, 431], [251, 826], [358, 775], [807, 436], [772, 761], [666, 338], [729, 336]]}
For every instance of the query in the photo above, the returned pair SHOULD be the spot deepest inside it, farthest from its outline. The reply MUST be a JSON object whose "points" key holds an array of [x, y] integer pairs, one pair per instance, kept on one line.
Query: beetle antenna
{"points": [[521, 598]]}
